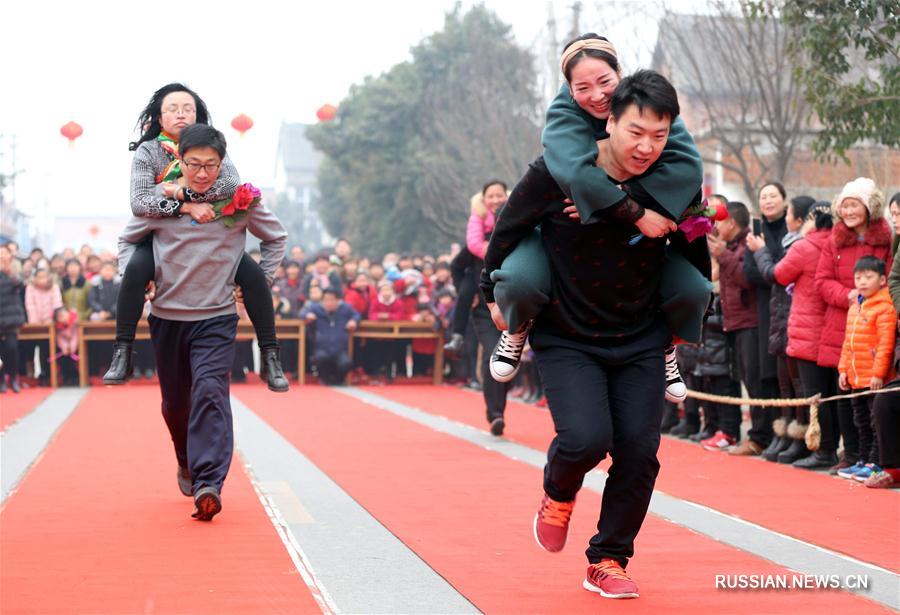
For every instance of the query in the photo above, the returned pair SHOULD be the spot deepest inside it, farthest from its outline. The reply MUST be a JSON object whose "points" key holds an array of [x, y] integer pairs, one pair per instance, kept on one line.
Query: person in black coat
{"points": [[104, 294], [102, 299], [790, 424], [773, 207], [716, 371], [12, 317]]}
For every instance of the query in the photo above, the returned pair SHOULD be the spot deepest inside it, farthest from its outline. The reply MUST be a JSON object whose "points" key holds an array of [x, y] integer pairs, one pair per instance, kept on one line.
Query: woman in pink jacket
{"points": [[860, 230], [42, 298], [467, 265]]}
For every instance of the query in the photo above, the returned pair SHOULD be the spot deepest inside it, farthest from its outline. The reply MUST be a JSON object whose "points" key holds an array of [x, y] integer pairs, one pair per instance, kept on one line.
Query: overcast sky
{"points": [[97, 64]]}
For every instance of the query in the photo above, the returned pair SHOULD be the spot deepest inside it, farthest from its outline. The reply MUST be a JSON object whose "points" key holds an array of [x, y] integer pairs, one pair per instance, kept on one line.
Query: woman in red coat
{"points": [[860, 230], [798, 268]]}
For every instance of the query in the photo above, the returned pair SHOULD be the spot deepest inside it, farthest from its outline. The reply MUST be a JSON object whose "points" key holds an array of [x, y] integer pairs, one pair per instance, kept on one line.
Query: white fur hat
{"points": [[861, 188]]}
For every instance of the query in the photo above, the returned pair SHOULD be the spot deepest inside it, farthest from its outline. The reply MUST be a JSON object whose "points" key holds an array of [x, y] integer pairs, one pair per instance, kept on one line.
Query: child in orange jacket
{"points": [[866, 356]]}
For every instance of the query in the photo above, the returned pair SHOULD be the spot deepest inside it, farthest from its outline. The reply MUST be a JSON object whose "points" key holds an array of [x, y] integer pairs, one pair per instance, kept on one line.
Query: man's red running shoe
{"points": [[610, 580], [551, 523]]}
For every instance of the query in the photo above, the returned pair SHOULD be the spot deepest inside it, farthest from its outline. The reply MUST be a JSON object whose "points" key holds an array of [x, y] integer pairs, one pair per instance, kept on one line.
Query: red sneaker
{"points": [[718, 442], [551, 523], [610, 580]]}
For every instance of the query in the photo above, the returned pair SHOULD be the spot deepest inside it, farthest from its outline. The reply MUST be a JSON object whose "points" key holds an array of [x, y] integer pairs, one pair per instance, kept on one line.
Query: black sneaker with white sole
{"points": [[676, 391], [506, 359]]}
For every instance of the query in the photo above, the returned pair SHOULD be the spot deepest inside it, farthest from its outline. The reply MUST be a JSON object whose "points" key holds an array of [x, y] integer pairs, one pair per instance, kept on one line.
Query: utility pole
{"points": [[576, 19], [553, 50], [13, 171]]}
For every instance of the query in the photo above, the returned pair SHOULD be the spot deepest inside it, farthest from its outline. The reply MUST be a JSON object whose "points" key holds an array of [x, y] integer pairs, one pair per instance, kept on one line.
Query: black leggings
{"points": [[9, 352], [141, 270], [466, 271], [817, 379]]}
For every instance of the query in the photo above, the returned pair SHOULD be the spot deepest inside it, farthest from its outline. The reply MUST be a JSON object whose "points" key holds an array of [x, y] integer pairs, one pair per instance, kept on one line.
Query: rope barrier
{"points": [[781, 403], [814, 432]]}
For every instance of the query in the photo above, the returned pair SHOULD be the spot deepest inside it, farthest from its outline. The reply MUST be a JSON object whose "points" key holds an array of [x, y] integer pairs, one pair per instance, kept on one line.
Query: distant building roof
{"points": [[295, 152]]}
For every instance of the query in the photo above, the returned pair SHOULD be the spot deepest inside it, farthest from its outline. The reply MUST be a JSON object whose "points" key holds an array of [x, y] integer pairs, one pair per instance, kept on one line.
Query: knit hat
{"points": [[861, 188]]}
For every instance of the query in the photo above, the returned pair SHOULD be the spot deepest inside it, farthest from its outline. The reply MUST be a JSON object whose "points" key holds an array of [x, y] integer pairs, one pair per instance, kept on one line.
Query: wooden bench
{"points": [[402, 330], [106, 331], [33, 332]]}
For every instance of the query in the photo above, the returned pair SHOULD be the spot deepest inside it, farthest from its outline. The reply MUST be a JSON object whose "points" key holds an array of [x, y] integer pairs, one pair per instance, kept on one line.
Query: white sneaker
{"points": [[507, 356], [676, 391]]}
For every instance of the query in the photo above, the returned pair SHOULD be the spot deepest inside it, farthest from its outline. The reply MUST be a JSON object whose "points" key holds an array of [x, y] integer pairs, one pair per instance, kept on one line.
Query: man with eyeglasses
{"points": [[193, 320]]}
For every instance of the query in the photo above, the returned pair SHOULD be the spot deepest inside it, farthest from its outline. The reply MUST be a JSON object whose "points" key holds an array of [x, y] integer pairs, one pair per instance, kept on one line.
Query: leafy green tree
{"points": [[409, 147], [849, 64]]}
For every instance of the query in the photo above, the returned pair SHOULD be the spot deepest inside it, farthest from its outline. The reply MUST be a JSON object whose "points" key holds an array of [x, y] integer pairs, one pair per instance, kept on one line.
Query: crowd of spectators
{"points": [[331, 286], [805, 303]]}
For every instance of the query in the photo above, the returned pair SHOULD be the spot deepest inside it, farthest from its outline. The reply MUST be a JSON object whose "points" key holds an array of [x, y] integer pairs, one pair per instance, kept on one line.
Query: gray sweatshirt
{"points": [[196, 263]]}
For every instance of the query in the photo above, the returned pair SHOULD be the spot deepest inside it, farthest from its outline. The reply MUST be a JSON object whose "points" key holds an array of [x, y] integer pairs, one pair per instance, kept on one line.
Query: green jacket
{"points": [[894, 280], [570, 151], [76, 298]]}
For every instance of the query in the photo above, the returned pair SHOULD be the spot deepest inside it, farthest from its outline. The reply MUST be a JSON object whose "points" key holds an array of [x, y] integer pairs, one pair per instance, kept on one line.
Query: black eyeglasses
{"points": [[209, 167]]}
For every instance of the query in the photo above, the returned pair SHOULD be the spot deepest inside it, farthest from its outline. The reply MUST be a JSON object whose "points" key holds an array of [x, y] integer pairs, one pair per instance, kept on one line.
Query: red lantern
{"points": [[71, 131], [242, 123], [326, 113]]}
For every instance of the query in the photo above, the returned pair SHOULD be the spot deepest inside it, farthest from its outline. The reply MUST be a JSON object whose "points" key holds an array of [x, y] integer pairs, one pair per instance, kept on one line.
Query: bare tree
{"points": [[480, 133], [735, 76], [479, 117]]}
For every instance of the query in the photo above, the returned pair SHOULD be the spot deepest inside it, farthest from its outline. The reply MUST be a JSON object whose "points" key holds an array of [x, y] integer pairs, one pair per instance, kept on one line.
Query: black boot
{"points": [[684, 429], [797, 450], [777, 446], [779, 442], [14, 384], [670, 417], [3, 384], [272, 367], [703, 434], [820, 460], [454, 347], [121, 368]]}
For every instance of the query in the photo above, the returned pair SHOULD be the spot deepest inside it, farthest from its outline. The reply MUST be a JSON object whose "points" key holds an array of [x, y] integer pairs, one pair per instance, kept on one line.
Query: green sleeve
{"points": [[894, 280], [570, 151], [677, 176]]}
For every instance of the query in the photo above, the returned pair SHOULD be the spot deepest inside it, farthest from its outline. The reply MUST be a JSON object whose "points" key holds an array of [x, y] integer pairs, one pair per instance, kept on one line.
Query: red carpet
{"points": [[811, 506], [467, 512], [14, 406], [99, 526]]}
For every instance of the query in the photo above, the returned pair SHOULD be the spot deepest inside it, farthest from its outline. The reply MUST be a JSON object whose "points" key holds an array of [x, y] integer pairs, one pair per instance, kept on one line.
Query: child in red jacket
{"points": [[386, 357], [866, 356]]}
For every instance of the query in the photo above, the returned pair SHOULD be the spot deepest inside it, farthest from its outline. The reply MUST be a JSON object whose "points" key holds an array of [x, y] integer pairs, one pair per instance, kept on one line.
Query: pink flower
{"points": [[696, 226], [228, 210]]}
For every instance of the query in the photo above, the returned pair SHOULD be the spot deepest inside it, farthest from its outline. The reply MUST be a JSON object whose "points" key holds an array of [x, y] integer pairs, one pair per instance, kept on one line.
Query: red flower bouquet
{"points": [[700, 219], [231, 210]]}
